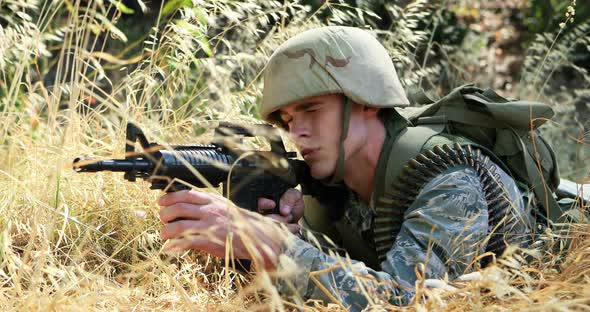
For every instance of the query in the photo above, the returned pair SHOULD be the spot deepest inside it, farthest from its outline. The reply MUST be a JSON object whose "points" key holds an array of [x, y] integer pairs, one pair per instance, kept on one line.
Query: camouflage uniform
{"points": [[443, 229]]}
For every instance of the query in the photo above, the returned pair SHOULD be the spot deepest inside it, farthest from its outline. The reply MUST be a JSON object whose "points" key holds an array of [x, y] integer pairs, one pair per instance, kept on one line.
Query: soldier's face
{"points": [[315, 124]]}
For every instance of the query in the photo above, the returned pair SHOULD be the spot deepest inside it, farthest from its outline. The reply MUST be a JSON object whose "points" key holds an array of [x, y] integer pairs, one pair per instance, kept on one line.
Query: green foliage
{"points": [[544, 15], [122, 7], [172, 6], [549, 53]]}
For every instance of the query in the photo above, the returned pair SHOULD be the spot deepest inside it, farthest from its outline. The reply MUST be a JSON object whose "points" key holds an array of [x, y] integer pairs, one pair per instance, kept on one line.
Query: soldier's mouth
{"points": [[308, 152]]}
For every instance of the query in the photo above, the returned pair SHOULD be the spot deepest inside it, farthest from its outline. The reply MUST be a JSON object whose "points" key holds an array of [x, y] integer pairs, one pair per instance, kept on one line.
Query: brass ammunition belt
{"points": [[420, 170]]}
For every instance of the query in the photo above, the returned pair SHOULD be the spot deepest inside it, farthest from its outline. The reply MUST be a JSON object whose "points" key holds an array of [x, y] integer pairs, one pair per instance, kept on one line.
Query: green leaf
{"points": [[198, 35], [121, 7], [201, 16], [204, 44], [174, 5]]}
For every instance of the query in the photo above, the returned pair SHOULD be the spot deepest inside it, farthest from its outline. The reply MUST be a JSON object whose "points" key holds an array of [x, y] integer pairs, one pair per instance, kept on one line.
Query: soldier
{"points": [[335, 90]]}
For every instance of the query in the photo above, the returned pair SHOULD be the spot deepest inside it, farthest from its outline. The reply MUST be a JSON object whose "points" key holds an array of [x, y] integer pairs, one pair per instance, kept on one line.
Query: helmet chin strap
{"points": [[338, 175]]}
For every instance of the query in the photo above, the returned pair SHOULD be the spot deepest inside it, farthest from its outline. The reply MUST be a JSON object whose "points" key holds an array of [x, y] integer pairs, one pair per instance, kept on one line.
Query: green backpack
{"points": [[507, 129]]}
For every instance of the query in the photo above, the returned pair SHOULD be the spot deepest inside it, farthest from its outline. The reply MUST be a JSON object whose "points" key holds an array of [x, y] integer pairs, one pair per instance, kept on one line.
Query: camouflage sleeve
{"points": [[442, 231]]}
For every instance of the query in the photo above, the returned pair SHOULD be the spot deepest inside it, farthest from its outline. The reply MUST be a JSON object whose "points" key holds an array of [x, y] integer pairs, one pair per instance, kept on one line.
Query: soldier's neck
{"points": [[360, 167]]}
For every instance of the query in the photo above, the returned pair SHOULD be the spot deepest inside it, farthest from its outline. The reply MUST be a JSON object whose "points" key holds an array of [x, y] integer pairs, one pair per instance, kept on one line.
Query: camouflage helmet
{"points": [[327, 60]]}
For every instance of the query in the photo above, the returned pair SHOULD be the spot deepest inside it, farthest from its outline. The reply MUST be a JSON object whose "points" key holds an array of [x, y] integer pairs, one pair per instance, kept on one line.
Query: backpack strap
{"points": [[389, 213], [356, 245], [407, 145], [542, 191], [318, 220]]}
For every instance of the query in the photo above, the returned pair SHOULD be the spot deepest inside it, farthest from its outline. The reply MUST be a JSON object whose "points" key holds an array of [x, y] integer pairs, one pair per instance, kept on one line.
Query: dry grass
{"points": [[79, 242]]}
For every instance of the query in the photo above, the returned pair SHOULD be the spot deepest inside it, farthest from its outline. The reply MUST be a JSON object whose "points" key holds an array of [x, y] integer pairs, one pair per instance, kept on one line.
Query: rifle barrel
{"points": [[116, 165]]}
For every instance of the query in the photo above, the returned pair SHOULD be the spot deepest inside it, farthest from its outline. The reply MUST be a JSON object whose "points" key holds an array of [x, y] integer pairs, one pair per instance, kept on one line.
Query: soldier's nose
{"points": [[298, 131]]}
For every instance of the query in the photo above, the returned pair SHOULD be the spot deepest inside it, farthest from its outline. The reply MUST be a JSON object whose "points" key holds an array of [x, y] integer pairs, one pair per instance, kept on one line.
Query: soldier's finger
{"points": [[265, 204], [176, 246], [288, 201], [197, 242], [279, 218], [298, 209], [187, 196], [180, 228], [294, 228], [293, 204], [185, 211]]}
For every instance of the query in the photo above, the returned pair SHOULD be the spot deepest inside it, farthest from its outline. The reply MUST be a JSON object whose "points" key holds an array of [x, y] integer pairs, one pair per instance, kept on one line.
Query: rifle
{"points": [[244, 175]]}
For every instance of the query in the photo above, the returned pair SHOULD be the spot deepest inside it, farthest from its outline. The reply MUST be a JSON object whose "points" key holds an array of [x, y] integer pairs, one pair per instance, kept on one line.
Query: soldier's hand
{"points": [[291, 209], [203, 221]]}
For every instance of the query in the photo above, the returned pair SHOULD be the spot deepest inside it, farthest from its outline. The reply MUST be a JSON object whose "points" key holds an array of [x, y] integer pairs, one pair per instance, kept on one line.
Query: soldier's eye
{"points": [[313, 108], [285, 118], [286, 121]]}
